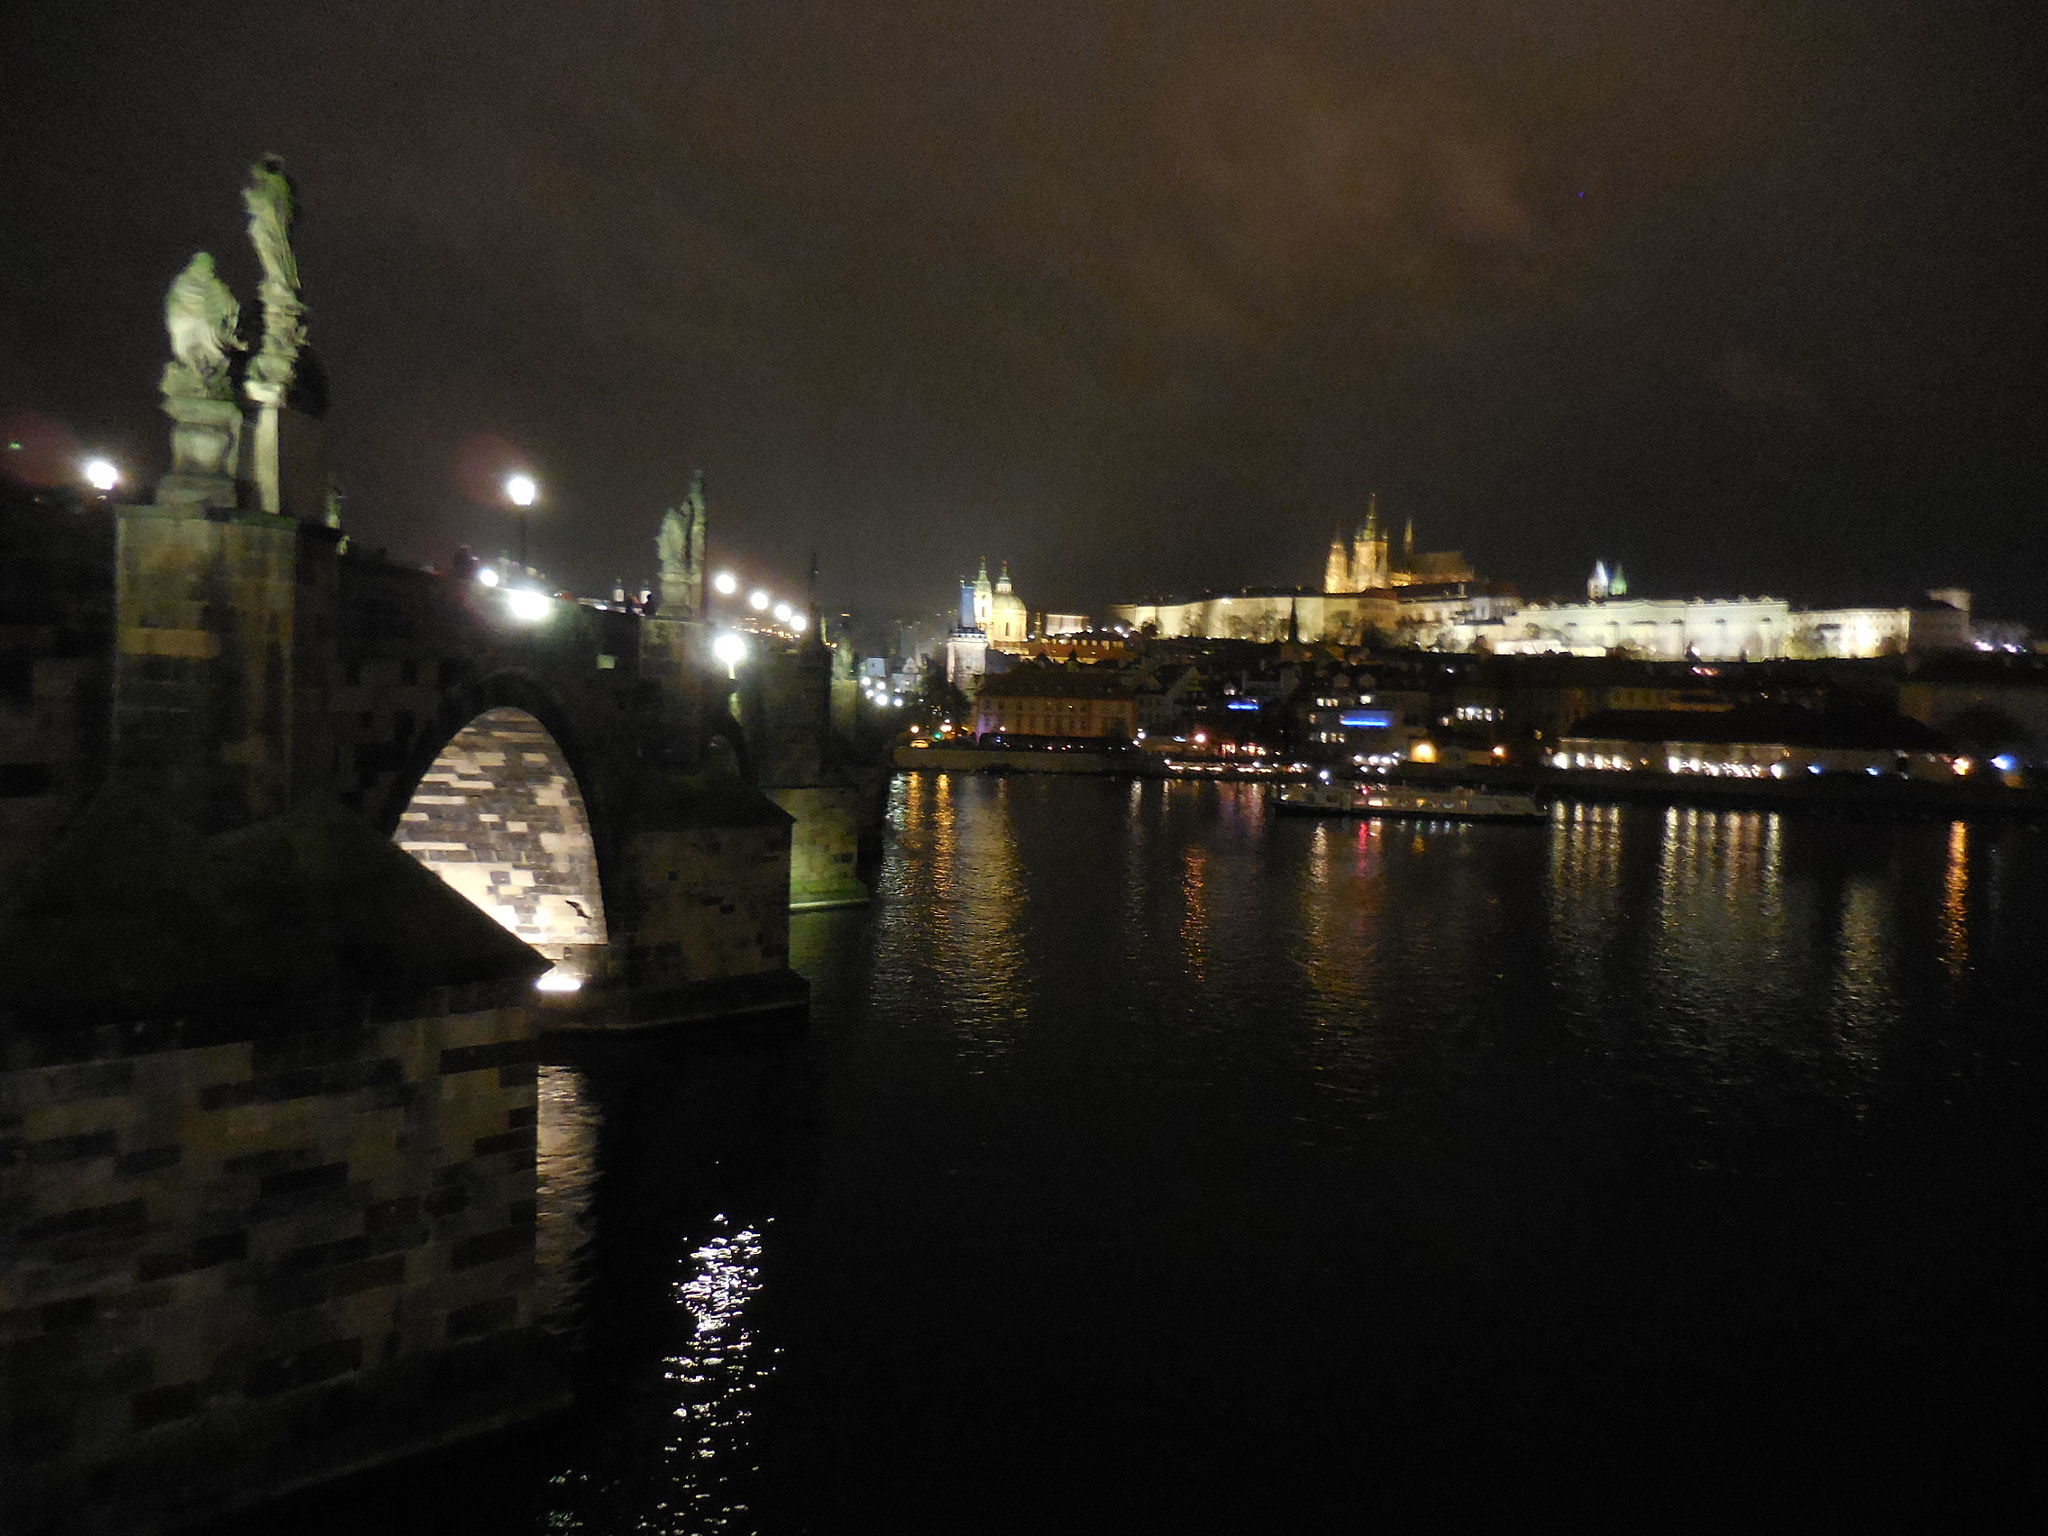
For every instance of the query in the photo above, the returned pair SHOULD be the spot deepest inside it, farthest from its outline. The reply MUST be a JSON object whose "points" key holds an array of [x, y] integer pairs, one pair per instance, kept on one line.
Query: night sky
{"points": [[1747, 296]]}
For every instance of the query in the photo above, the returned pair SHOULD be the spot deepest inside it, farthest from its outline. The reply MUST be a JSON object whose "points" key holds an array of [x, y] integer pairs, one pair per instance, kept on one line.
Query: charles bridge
{"points": [[322, 850]]}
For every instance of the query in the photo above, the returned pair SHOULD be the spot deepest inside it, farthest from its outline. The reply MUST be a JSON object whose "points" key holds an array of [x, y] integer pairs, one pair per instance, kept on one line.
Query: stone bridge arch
{"points": [[499, 814]]}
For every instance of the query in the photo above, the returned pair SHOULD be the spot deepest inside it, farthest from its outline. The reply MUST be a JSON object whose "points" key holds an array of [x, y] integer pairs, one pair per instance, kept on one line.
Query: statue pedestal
{"points": [[206, 440]]}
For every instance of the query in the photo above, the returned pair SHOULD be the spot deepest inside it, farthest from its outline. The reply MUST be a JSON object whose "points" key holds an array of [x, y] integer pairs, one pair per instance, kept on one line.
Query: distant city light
{"points": [[102, 474], [527, 605], [522, 490], [758, 600], [2005, 762], [487, 576], [783, 612], [730, 649], [725, 583]]}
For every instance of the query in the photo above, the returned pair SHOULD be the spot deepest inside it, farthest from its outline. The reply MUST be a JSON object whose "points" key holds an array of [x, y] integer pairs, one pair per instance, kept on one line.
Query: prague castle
{"points": [[1369, 592], [1435, 601], [1364, 565]]}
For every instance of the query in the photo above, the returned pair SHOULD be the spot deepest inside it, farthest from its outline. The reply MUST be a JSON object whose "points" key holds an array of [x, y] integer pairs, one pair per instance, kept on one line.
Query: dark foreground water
{"points": [[1149, 1161]]}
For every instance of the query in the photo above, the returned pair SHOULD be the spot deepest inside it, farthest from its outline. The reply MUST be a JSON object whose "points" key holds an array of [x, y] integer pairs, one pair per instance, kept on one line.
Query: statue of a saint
{"points": [[672, 544], [272, 210], [203, 318], [680, 547]]}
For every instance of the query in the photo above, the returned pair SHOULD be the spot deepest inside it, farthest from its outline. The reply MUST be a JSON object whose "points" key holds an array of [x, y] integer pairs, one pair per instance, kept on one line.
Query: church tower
{"points": [[984, 596], [1369, 570], [1337, 569]]}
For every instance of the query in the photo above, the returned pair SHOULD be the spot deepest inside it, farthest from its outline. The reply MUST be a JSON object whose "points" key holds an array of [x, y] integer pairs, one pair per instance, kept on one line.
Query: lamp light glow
{"points": [[522, 490], [729, 648], [102, 474], [487, 575], [783, 612], [725, 583], [798, 622], [527, 605], [758, 601]]}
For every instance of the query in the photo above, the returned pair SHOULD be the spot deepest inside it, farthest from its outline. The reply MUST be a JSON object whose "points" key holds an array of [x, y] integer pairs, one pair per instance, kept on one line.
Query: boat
{"points": [[1449, 803]]}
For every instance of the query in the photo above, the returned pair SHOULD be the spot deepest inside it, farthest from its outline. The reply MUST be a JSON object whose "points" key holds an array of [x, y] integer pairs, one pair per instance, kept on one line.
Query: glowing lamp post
{"points": [[732, 650], [522, 490], [758, 601], [725, 583], [101, 474]]}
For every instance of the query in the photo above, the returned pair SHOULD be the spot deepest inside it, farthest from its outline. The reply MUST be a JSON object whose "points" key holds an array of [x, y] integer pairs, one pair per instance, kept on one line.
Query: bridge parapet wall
{"points": [[245, 1264]]}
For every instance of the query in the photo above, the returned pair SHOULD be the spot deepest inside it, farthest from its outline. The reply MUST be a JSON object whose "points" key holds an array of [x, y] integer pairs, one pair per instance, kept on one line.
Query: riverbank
{"points": [[1840, 794]]}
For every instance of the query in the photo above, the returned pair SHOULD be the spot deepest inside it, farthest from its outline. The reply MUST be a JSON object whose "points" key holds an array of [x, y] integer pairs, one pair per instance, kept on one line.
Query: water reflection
{"points": [[566, 1166], [1955, 912], [716, 1373], [957, 870], [1194, 921]]}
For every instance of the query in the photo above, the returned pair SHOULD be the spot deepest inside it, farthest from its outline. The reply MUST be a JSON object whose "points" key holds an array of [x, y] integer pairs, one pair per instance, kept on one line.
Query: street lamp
{"points": [[725, 583], [522, 490], [758, 601], [730, 649], [102, 474]]}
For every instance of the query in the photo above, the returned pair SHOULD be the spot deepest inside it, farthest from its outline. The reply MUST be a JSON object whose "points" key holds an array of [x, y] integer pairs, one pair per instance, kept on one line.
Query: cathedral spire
{"points": [[1337, 569]]}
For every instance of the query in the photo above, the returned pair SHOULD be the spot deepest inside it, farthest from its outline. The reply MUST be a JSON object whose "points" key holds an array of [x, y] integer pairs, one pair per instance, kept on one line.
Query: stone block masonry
{"points": [[824, 845], [239, 1267], [499, 817]]}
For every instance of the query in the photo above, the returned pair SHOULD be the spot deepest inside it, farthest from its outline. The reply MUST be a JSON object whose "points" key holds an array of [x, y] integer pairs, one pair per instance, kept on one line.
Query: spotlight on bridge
{"points": [[559, 980], [102, 474], [758, 601], [487, 576], [725, 583], [730, 649], [527, 605]]}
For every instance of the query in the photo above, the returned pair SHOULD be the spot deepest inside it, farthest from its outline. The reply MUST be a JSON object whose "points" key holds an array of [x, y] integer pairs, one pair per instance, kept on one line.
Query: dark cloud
{"points": [[1145, 297]]}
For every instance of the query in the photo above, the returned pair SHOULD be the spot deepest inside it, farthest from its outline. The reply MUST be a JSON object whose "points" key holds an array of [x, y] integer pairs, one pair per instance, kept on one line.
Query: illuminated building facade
{"points": [[1055, 701]]}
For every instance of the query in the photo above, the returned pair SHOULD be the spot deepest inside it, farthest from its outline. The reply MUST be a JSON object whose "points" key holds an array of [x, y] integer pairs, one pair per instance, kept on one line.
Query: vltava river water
{"points": [[1151, 1161]]}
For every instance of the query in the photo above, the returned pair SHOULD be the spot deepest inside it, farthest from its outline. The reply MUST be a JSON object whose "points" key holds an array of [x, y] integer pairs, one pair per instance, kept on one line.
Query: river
{"points": [[1152, 1162]]}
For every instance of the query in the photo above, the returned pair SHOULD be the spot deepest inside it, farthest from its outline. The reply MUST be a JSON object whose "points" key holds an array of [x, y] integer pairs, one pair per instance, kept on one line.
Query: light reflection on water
{"points": [[1120, 1030], [716, 1375], [566, 1165], [957, 865]]}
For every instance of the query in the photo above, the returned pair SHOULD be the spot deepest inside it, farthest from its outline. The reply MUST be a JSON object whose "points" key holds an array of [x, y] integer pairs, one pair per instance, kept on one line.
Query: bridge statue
{"points": [[206, 432], [273, 209], [680, 548]]}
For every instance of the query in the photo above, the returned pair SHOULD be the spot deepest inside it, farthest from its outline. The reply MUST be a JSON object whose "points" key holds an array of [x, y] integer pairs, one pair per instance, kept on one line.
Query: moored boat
{"points": [[1450, 803]]}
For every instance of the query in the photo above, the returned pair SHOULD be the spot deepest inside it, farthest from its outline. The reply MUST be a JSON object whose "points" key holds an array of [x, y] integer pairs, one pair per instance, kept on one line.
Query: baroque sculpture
{"points": [[203, 319], [273, 208], [198, 388], [680, 548]]}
